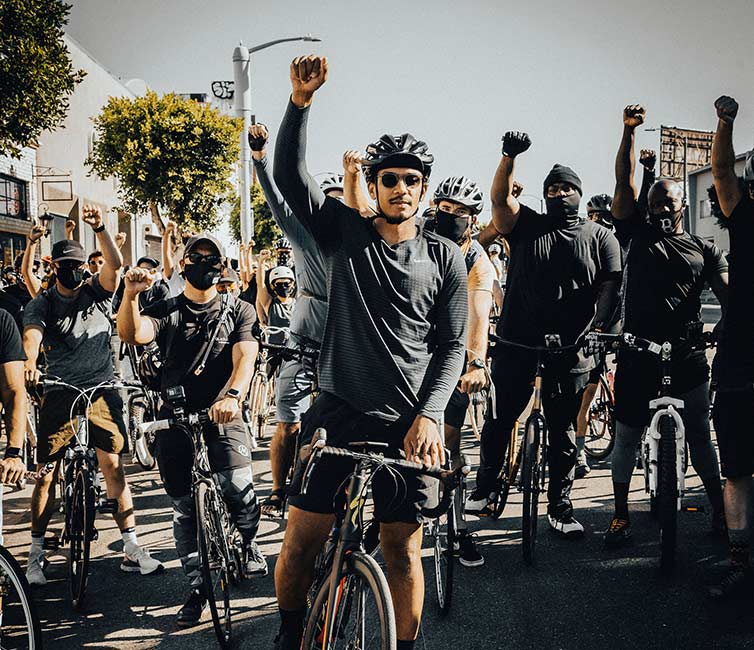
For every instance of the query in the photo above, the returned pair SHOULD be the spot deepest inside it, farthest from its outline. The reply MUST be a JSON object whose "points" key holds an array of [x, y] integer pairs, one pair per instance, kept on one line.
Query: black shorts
{"points": [[174, 451], [733, 417], [396, 498], [455, 411]]}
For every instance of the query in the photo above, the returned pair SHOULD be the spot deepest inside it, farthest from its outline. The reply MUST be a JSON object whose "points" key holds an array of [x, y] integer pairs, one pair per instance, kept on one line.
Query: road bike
{"points": [[262, 389], [142, 407], [351, 606], [82, 495], [219, 543]]}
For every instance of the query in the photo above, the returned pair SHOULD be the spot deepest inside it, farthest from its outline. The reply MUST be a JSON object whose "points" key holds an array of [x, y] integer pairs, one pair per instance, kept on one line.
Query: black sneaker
{"points": [[737, 583], [718, 526], [618, 534], [468, 555], [191, 613], [286, 640]]}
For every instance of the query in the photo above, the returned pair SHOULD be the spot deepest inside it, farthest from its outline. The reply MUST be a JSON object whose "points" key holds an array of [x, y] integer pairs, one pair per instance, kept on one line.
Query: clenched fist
{"points": [[633, 115], [517, 189], [37, 232], [727, 109], [352, 162], [308, 74], [138, 280], [648, 158], [92, 215], [515, 142], [258, 136], [120, 239]]}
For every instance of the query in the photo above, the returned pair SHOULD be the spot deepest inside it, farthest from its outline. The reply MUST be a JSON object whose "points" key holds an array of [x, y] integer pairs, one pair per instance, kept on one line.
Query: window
{"points": [[705, 209], [12, 198]]}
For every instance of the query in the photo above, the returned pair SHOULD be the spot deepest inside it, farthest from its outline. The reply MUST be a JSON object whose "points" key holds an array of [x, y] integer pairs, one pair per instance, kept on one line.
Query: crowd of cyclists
{"points": [[397, 309]]}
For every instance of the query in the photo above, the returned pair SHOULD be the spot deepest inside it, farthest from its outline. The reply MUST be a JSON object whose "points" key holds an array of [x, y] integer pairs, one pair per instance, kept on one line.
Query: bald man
{"points": [[666, 270]]}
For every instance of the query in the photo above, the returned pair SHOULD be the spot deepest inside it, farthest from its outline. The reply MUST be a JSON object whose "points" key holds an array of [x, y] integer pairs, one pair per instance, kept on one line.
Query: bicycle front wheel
{"points": [[214, 558], [19, 625], [440, 536], [139, 411], [600, 433], [80, 531], [667, 502], [364, 616], [531, 482]]}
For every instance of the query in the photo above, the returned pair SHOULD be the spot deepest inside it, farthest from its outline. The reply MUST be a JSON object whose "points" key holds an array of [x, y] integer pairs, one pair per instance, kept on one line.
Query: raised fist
{"points": [[648, 158], [515, 142], [517, 189], [308, 74], [727, 109], [265, 254], [258, 136], [169, 227], [633, 115], [92, 215], [120, 239], [352, 162], [70, 226], [37, 232], [138, 280]]}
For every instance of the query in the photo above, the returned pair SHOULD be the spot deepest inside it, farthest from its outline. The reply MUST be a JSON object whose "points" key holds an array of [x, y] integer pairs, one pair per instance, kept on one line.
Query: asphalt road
{"points": [[578, 596]]}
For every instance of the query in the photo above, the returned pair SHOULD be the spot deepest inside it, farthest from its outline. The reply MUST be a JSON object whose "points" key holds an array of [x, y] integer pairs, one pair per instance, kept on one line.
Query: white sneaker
{"points": [[140, 561], [35, 572], [566, 525], [477, 503]]}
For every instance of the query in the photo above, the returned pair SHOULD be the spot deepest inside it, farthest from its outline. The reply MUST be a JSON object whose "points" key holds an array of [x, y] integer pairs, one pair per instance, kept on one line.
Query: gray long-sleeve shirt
{"points": [[395, 336], [310, 312]]}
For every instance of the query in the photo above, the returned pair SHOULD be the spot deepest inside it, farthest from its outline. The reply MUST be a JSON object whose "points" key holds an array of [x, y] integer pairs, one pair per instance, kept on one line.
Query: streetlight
{"points": [[242, 106]]}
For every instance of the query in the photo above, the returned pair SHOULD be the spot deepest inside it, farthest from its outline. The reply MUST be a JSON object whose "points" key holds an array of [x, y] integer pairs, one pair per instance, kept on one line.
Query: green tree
{"points": [[169, 154], [266, 230], [36, 73]]}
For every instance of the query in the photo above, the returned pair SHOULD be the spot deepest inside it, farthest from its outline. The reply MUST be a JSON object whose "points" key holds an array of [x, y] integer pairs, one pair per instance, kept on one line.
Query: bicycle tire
{"points": [[600, 433], [441, 539], [214, 560], [80, 528], [138, 410], [531, 469], [10, 571], [258, 383], [508, 475], [360, 569], [667, 500]]}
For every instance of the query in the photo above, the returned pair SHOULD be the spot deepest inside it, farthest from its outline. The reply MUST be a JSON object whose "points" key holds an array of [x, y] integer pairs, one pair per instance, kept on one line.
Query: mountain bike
{"points": [[262, 390], [220, 546], [351, 604], [81, 493]]}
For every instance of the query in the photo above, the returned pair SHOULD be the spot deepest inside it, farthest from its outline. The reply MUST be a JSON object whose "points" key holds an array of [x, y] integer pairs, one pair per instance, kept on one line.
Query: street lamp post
{"points": [[242, 106]]}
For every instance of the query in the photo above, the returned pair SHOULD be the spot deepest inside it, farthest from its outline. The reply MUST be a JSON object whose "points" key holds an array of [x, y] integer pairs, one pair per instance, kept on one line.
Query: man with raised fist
{"points": [[392, 351], [563, 279]]}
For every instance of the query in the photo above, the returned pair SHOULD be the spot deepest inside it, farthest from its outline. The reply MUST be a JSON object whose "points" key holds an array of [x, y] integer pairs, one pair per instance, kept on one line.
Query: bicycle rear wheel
{"points": [[80, 530], [667, 501], [139, 412], [257, 396], [440, 536], [19, 625], [600, 433], [508, 474], [214, 559], [531, 482], [364, 616]]}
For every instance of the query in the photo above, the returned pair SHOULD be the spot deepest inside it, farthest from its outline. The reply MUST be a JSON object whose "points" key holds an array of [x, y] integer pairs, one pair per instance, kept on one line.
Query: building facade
{"points": [[18, 202]]}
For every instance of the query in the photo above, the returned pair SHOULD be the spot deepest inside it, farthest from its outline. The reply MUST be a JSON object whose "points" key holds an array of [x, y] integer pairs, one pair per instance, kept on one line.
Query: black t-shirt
{"points": [[14, 299], [11, 346], [182, 330], [734, 363], [250, 294], [554, 276]]}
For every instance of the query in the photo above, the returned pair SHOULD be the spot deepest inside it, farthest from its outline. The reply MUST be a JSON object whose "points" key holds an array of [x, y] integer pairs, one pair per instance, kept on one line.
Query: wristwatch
{"points": [[100, 229], [13, 452], [233, 393], [477, 363]]}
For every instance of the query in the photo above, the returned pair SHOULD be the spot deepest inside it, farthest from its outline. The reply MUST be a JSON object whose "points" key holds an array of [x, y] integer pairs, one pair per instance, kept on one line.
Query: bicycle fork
{"points": [[672, 408]]}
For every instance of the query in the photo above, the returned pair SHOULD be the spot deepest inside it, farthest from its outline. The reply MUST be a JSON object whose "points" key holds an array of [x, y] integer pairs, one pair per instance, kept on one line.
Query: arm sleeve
{"points": [[451, 310], [246, 316], [297, 186], [11, 346], [36, 312], [101, 295], [609, 282], [527, 218], [714, 260]]}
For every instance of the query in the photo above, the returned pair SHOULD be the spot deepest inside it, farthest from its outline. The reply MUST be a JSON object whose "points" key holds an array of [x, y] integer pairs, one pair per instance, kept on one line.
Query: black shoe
{"points": [[285, 640], [191, 613], [468, 555], [618, 534], [719, 528], [738, 583], [563, 522]]}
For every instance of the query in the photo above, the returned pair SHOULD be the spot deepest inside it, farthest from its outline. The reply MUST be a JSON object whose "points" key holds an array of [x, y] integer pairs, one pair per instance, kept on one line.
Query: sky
{"points": [[455, 74]]}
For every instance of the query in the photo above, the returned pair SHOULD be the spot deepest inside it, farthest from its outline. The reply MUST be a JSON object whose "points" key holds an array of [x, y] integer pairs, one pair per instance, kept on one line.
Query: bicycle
{"points": [[351, 605], [19, 623], [80, 489], [220, 545], [663, 444], [533, 453], [262, 390], [142, 407], [600, 433]]}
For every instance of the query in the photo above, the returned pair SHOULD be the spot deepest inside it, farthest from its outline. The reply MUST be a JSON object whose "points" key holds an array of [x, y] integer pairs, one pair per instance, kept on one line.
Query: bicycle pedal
{"points": [[108, 506], [51, 543]]}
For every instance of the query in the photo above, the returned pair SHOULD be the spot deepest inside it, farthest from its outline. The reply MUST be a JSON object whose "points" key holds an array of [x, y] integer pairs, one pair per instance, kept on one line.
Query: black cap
{"points": [[229, 275], [148, 260], [68, 249], [203, 237]]}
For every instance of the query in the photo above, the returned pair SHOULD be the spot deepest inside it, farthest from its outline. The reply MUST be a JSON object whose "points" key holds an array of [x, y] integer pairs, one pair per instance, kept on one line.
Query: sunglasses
{"points": [[284, 284], [390, 180], [211, 259]]}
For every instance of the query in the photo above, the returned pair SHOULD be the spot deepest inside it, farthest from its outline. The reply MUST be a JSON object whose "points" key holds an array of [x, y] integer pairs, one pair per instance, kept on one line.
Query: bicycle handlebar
{"points": [[553, 349], [200, 417], [47, 381]]}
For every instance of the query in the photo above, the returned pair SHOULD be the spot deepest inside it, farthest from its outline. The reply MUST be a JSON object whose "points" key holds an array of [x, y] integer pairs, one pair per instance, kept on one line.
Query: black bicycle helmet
{"points": [[397, 151], [599, 203], [460, 189], [283, 243]]}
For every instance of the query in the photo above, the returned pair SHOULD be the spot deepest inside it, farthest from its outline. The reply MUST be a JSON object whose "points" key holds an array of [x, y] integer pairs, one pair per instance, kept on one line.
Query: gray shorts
{"points": [[293, 390]]}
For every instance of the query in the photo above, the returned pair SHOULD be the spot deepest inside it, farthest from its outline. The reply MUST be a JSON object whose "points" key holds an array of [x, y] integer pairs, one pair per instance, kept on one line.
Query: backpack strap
{"points": [[228, 302]]}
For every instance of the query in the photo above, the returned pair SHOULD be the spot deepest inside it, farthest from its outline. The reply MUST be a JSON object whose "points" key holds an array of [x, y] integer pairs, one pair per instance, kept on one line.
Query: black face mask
{"points": [[563, 208], [70, 278], [451, 226], [283, 291], [284, 259], [201, 275], [666, 222]]}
